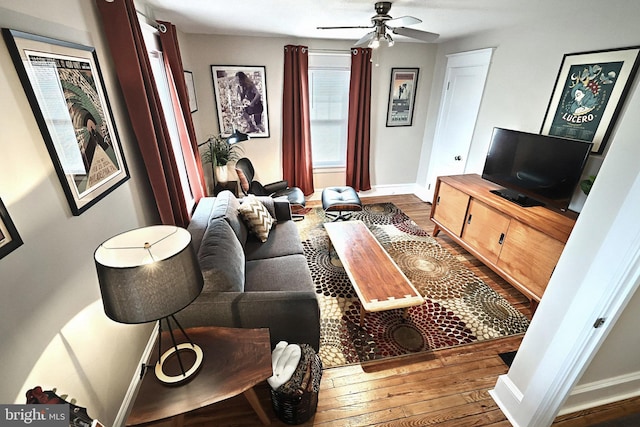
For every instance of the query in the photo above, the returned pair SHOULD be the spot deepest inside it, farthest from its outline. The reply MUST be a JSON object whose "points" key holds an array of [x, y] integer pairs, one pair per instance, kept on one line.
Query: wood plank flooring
{"points": [[446, 387]]}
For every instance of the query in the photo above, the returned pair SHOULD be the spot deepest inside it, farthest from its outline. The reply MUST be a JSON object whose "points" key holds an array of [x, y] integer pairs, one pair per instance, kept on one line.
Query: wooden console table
{"points": [[520, 244], [234, 361]]}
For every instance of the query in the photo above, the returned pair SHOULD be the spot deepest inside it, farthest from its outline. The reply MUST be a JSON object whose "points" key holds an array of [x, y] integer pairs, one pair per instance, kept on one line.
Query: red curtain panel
{"points": [[297, 165], [189, 143], [124, 36], [358, 135]]}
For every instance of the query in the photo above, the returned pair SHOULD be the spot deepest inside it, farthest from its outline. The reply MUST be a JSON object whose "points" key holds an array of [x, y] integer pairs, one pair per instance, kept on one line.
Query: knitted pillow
{"points": [[256, 216]]}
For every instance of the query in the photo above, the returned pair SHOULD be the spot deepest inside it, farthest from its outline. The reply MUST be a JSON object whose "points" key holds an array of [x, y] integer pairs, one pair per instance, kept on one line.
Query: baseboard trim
{"points": [[377, 190], [506, 395], [134, 386], [603, 392]]}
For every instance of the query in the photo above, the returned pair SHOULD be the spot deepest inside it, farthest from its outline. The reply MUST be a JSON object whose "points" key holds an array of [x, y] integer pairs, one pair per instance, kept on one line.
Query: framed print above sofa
{"points": [[241, 99]]}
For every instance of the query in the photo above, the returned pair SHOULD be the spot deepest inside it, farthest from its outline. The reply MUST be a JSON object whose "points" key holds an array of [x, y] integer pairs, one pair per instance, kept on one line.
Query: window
{"points": [[329, 108], [162, 83], [166, 100]]}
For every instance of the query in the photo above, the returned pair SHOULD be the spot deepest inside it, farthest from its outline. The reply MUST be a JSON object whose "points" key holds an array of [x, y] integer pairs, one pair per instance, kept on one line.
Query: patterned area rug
{"points": [[459, 309]]}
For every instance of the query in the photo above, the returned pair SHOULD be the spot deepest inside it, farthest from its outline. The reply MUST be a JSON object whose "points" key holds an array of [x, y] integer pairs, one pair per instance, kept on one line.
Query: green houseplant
{"points": [[219, 152], [586, 184]]}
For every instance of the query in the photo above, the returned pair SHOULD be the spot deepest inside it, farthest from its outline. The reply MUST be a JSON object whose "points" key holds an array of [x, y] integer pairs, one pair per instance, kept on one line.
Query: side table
{"points": [[234, 361], [229, 185]]}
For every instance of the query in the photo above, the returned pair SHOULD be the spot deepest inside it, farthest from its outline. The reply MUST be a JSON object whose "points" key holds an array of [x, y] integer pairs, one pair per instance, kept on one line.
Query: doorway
{"points": [[464, 83]]}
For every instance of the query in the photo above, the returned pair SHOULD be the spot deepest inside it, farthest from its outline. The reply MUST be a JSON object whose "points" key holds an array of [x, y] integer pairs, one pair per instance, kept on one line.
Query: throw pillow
{"points": [[221, 259], [244, 182], [257, 217]]}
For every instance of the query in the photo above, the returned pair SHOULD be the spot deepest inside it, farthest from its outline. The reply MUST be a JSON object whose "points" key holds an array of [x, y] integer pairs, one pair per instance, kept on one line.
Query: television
{"points": [[535, 170]]}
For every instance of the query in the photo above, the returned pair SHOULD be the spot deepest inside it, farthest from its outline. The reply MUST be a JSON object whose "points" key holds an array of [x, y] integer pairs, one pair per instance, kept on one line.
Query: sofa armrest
{"points": [[276, 186], [293, 317], [279, 207], [283, 208]]}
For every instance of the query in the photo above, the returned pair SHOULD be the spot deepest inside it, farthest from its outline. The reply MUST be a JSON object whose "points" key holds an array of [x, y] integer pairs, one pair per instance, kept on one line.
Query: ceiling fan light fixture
{"points": [[383, 24]]}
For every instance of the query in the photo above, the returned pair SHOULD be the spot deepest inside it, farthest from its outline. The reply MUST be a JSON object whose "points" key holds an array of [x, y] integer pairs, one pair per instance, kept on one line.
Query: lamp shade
{"points": [[147, 273]]}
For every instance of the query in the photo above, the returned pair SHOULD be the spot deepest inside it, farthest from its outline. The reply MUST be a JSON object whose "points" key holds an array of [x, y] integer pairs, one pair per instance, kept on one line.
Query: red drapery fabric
{"points": [[124, 36], [189, 143], [297, 164], [358, 134]]}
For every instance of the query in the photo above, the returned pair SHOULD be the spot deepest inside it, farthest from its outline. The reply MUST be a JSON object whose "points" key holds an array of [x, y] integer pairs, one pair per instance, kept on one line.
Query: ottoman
{"points": [[340, 199]]}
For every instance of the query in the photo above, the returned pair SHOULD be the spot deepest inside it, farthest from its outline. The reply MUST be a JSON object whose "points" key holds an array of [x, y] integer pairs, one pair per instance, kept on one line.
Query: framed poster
{"points": [[64, 86], [402, 96], [191, 91], [241, 99], [9, 237], [588, 94]]}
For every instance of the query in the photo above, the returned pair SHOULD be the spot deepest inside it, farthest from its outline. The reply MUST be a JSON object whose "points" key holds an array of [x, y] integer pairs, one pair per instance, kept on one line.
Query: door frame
{"points": [[474, 58]]}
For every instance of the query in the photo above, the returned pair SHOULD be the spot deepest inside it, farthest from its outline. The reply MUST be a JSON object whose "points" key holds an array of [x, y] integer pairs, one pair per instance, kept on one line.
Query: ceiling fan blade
{"points": [[403, 21], [343, 28], [365, 40], [424, 36]]}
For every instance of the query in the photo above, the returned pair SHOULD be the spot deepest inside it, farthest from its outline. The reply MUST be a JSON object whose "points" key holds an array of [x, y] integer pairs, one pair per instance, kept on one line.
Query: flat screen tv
{"points": [[535, 170]]}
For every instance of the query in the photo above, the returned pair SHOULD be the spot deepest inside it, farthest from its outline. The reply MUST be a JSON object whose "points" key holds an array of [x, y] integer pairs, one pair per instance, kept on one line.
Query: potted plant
{"points": [[586, 184], [219, 152]]}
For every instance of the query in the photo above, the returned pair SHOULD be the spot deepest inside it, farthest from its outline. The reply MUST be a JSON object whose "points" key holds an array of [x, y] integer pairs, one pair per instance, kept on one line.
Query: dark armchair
{"points": [[245, 172]]}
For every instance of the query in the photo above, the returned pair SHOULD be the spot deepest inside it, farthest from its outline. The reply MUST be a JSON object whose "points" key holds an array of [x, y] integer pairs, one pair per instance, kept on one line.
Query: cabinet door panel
{"points": [[530, 256], [451, 208], [485, 229]]}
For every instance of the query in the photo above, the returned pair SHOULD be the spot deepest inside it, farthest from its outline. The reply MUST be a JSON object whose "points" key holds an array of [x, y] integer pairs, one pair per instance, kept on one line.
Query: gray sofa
{"points": [[250, 284]]}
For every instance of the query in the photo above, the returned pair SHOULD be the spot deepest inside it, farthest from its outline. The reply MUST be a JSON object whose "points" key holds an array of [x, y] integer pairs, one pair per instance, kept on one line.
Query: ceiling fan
{"points": [[382, 24]]}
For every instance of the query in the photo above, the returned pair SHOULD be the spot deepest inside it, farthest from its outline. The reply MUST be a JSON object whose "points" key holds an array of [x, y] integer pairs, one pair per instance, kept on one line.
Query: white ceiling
{"points": [[299, 18]]}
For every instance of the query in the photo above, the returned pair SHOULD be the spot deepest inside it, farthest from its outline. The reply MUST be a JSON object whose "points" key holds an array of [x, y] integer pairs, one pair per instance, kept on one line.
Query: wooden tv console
{"points": [[521, 244]]}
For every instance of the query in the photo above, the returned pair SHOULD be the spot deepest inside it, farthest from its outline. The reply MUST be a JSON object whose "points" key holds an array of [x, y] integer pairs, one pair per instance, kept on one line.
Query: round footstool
{"points": [[340, 199]]}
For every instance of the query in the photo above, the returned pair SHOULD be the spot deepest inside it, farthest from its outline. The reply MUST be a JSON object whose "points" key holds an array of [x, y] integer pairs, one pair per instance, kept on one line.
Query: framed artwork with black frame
{"points": [[588, 95], [64, 86], [241, 99], [9, 237], [402, 96], [191, 91]]}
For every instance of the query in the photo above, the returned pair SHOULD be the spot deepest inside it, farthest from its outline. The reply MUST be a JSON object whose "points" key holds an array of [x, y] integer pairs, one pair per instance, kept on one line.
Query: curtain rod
{"points": [[329, 51], [152, 22]]}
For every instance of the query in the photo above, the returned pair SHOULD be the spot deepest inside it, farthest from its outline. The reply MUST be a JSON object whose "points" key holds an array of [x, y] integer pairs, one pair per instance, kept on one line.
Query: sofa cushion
{"points": [[287, 273], [200, 220], [226, 206], [283, 240], [257, 217], [221, 259]]}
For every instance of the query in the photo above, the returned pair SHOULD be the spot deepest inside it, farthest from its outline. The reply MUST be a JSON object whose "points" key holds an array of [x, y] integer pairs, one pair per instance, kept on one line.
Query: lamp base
{"points": [[189, 373]]}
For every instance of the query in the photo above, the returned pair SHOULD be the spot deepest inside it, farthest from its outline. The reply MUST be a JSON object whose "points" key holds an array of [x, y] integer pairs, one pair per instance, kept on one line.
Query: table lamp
{"points": [[149, 274], [237, 136]]}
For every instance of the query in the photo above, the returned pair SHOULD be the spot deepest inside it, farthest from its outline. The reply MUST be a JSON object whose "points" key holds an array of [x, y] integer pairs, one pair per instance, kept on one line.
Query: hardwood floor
{"points": [[446, 387]]}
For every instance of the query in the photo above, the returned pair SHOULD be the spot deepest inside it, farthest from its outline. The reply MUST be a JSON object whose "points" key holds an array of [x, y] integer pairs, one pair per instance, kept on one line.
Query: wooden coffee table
{"points": [[234, 361], [377, 280]]}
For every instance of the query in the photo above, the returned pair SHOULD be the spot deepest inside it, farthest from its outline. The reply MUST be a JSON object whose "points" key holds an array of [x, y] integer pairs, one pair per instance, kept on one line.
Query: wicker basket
{"points": [[295, 401]]}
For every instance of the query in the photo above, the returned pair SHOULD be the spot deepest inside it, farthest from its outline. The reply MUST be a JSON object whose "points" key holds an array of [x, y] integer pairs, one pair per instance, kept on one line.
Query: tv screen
{"points": [[536, 170]]}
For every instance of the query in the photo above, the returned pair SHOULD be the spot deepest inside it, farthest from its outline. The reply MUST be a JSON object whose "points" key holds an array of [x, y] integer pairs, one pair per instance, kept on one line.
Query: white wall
{"points": [[395, 152], [53, 330], [521, 77]]}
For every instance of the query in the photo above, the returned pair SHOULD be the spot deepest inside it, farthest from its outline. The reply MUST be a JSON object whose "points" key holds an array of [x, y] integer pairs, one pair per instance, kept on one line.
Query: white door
{"points": [[461, 95]]}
